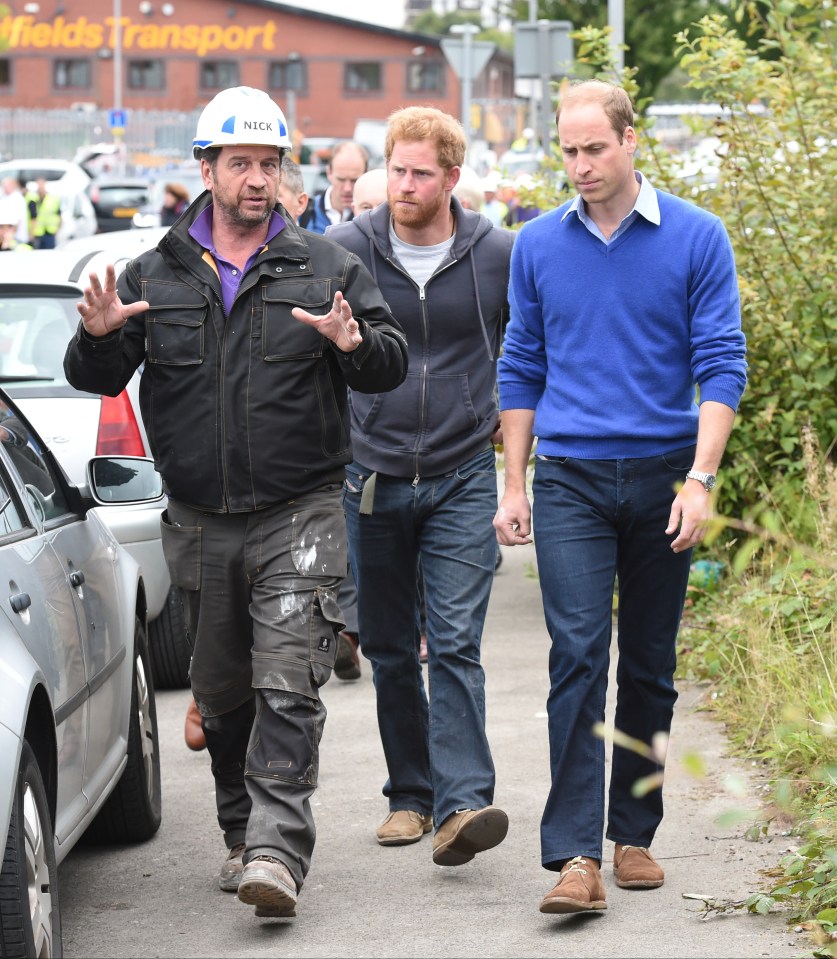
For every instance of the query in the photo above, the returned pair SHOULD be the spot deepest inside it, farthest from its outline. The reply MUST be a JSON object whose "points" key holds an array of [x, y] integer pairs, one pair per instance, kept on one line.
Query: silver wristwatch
{"points": [[707, 479]]}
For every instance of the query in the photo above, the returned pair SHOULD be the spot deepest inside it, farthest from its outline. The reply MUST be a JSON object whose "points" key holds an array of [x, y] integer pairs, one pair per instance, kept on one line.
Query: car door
{"points": [[84, 556], [35, 597]]}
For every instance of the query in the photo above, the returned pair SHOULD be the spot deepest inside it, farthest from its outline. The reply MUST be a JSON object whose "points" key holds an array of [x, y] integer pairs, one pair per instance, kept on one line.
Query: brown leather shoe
{"points": [[347, 664], [580, 888], [193, 731], [464, 834], [402, 827], [635, 868]]}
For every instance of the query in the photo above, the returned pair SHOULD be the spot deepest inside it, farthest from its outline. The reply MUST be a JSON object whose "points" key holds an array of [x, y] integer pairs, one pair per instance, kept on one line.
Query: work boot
{"points": [[635, 868], [580, 888], [267, 885], [347, 664], [402, 827], [464, 834], [230, 875]]}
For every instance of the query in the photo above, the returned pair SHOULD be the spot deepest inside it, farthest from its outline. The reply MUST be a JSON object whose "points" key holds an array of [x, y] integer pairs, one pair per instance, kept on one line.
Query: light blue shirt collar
{"points": [[645, 205]]}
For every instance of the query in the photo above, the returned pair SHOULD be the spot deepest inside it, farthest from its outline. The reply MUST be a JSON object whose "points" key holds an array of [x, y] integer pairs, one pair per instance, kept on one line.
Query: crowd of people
{"points": [[324, 404]]}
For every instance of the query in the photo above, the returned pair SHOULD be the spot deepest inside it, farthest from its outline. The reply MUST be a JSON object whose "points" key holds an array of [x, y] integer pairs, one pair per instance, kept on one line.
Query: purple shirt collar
{"points": [[230, 275]]}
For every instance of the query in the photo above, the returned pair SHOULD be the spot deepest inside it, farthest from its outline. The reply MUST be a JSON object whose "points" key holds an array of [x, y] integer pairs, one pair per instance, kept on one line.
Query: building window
{"points": [[362, 77], [219, 74], [425, 77], [146, 75], [5, 73], [71, 74], [288, 75]]}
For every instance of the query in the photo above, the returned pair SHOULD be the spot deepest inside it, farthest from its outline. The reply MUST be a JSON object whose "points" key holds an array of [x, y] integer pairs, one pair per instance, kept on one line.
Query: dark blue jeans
{"points": [[597, 522], [437, 753]]}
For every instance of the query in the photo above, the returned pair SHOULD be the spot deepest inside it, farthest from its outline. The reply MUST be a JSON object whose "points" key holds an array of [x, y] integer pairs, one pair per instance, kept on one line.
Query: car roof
{"points": [[66, 270]]}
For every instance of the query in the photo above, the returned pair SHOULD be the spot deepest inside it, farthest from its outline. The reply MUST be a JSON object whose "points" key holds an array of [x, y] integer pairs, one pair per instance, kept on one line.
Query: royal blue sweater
{"points": [[608, 342]]}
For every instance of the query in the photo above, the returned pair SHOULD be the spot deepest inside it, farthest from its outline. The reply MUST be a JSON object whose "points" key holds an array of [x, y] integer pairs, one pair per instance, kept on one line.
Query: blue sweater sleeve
{"points": [[521, 370]]}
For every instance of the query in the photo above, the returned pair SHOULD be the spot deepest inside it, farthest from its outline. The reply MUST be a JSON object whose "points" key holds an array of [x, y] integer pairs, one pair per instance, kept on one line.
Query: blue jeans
{"points": [[437, 752], [597, 522]]}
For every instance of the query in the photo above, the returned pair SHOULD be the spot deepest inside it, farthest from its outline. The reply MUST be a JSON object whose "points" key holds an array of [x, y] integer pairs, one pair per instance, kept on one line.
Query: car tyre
{"points": [[30, 917], [132, 812], [171, 652]]}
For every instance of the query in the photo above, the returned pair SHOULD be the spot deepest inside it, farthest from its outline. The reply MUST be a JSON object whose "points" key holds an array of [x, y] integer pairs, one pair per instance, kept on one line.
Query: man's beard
{"points": [[419, 214], [234, 213]]}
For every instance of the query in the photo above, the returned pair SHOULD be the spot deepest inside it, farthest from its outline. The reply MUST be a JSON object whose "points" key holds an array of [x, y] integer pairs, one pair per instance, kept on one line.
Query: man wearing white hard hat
{"points": [[249, 331]]}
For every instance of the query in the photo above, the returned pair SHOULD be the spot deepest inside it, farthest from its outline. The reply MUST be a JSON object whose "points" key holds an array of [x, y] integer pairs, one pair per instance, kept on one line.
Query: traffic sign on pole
{"points": [[480, 53], [117, 119]]}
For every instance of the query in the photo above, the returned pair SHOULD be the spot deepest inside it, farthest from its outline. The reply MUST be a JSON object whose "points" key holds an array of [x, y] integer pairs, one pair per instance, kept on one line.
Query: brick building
{"points": [[147, 55]]}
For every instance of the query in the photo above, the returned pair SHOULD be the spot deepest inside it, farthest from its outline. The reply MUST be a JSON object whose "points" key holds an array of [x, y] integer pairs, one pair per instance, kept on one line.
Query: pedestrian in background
{"points": [[422, 488], [244, 398], [44, 216], [624, 356], [175, 201], [370, 191], [13, 208], [349, 161]]}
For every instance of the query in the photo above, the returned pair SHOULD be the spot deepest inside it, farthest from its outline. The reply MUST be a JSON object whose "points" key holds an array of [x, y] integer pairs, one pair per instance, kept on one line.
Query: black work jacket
{"points": [[246, 410]]}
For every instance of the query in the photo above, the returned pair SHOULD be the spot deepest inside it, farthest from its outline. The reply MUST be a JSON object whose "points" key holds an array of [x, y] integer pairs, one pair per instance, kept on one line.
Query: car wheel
{"points": [[30, 919], [171, 651], [132, 812]]}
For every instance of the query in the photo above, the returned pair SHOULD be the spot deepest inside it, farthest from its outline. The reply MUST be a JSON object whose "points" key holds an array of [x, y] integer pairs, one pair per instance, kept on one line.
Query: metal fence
{"points": [[153, 139]]}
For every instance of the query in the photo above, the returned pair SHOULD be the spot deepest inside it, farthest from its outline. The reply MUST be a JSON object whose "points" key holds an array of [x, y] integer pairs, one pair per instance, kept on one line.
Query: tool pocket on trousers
{"points": [[182, 550]]}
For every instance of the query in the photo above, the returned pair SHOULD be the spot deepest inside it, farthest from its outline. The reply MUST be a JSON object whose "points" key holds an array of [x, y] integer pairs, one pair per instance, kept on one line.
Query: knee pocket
{"points": [[286, 747]]}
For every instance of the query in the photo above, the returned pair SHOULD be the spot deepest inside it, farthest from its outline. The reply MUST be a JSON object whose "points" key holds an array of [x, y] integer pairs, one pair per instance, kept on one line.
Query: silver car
{"points": [[78, 725], [39, 291]]}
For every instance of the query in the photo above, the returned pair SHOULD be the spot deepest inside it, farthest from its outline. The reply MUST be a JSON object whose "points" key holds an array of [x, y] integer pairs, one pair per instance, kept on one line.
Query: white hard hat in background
{"points": [[241, 115]]}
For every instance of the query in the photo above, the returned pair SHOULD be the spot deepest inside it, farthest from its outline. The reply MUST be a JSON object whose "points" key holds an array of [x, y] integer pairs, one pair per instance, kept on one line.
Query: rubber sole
{"points": [[559, 905], [272, 899], [482, 831]]}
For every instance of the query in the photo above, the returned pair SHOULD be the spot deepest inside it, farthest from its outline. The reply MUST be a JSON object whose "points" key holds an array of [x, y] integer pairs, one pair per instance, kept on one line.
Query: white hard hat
{"points": [[241, 115]]}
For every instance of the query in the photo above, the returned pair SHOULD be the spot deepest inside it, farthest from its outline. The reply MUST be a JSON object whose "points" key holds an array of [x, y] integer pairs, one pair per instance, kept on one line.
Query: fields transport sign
{"points": [[24, 32]]}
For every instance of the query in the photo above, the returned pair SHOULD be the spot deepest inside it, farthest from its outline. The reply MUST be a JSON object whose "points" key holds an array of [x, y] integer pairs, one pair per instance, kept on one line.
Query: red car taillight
{"points": [[119, 433]]}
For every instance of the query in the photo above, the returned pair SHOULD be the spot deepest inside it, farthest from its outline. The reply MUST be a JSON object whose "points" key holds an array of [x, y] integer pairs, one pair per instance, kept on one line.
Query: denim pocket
{"points": [[182, 550], [484, 462], [679, 460]]}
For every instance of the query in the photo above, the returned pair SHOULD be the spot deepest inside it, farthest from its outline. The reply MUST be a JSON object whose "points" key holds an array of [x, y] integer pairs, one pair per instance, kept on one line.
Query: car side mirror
{"points": [[123, 480]]}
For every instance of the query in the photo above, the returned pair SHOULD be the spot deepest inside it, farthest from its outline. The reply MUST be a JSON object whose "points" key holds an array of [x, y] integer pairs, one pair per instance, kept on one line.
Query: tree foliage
{"points": [[649, 29]]}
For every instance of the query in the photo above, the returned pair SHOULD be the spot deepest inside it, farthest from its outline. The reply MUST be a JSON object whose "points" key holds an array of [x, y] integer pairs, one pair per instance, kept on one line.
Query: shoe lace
{"points": [[576, 865]]}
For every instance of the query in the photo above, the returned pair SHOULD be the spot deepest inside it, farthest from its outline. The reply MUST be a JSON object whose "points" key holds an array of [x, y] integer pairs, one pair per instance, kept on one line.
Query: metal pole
{"points": [[616, 20], [546, 67], [533, 99], [118, 132], [117, 54], [466, 84]]}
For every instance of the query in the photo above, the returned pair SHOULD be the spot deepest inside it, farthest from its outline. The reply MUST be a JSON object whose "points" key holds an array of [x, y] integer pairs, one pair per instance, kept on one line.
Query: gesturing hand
{"points": [[338, 325], [101, 309]]}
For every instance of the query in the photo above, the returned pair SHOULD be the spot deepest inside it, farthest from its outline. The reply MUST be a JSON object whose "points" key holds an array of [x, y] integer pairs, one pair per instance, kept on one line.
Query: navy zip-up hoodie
{"points": [[446, 410]]}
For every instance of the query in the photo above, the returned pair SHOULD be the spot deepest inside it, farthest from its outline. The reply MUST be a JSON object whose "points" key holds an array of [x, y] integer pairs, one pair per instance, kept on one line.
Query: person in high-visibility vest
{"points": [[44, 216], [8, 241]]}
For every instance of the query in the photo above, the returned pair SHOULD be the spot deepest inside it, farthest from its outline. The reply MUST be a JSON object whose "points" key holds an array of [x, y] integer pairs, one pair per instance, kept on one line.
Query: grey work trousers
{"points": [[260, 601]]}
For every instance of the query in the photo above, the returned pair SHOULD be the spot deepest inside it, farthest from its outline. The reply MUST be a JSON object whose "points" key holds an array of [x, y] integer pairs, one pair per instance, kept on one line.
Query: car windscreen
{"points": [[34, 332]]}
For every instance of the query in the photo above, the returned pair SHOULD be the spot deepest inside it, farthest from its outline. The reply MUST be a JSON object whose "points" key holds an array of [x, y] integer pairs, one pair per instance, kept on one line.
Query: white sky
{"points": [[385, 13]]}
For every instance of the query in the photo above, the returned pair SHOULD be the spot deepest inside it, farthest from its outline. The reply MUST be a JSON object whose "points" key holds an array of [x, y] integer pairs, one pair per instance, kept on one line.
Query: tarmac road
{"points": [[360, 899]]}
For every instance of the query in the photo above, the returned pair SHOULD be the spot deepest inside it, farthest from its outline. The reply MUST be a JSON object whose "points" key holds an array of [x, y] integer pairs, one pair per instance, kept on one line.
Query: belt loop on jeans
{"points": [[367, 497]]}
